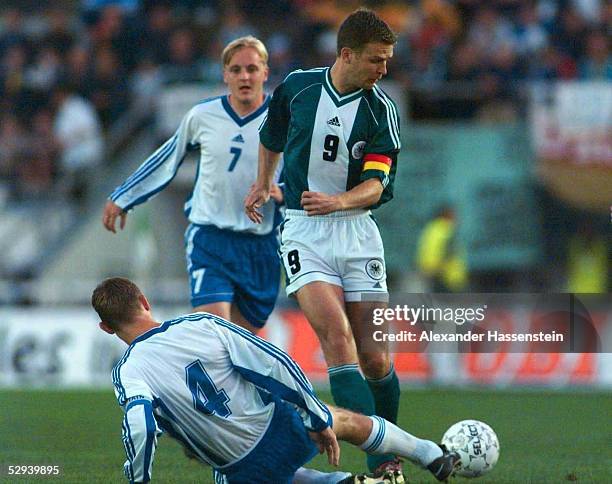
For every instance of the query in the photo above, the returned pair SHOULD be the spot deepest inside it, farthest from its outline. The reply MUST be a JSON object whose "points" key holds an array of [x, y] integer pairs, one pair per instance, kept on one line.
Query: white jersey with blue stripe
{"points": [[228, 146], [209, 384]]}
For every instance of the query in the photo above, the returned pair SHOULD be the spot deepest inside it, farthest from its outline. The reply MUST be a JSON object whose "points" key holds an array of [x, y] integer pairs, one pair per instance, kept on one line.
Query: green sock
{"points": [[386, 393], [351, 391]]}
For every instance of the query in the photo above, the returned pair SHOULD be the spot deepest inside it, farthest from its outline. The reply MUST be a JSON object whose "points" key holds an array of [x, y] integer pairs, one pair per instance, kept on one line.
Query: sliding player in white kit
{"points": [[233, 400], [233, 265]]}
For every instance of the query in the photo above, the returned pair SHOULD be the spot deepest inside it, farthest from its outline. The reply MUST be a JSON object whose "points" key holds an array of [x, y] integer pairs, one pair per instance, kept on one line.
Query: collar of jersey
{"points": [[240, 121], [338, 98], [147, 334]]}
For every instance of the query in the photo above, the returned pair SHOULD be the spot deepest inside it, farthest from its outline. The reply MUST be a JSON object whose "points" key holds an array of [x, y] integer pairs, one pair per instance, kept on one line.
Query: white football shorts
{"points": [[342, 248]]}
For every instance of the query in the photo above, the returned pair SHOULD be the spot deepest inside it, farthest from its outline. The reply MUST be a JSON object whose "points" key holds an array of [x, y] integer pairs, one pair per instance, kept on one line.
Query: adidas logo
{"points": [[334, 121], [238, 138]]}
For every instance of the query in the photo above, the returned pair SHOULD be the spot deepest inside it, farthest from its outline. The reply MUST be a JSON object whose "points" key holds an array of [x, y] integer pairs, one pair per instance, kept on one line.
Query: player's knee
{"points": [[337, 341], [375, 365]]}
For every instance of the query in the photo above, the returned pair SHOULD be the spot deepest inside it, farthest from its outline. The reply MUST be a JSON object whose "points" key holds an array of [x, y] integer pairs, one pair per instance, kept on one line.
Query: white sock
{"points": [[311, 476], [387, 438]]}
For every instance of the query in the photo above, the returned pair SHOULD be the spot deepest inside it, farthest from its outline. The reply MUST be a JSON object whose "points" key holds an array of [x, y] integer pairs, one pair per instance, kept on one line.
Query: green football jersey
{"points": [[331, 142]]}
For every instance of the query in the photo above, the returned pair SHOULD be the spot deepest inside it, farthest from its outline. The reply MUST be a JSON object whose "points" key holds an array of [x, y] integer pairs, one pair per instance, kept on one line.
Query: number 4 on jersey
{"points": [[206, 397]]}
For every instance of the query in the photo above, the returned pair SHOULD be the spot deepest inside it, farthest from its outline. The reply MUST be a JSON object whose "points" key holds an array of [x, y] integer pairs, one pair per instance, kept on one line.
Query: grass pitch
{"points": [[544, 437]]}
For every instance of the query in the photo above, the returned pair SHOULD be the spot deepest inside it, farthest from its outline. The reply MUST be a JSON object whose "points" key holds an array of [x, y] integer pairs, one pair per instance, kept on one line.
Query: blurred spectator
{"points": [[145, 83], [490, 32], [77, 68], [569, 33], [12, 32], [439, 258], [110, 27], [156, 32], [28, 157], [183, 58], [550, 65], [211, 69], [12, 69], [430, 46], [590, 10], [281, 59], [500, 86], [234, 25], [325, 46], [106, 25], [12, 148], [597, 63], [45, 71], [587, 261], [107, 86], [79, 132], [505, 66], [37, 169], [466, 64], [605, 22], [488, 45], [530, 34], [60, 35]]}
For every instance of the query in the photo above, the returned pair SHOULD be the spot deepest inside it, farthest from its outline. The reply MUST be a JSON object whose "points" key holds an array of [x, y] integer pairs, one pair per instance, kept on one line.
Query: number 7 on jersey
{"points": [[236, 152]]}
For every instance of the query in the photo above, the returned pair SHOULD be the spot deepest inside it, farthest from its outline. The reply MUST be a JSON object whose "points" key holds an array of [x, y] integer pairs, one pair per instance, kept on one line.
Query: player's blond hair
{"points": [[240, 43]]}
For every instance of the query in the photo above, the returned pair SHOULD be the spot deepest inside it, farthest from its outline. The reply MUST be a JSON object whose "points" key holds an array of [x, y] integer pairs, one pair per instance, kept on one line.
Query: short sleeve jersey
{"points": [[331, 142]]}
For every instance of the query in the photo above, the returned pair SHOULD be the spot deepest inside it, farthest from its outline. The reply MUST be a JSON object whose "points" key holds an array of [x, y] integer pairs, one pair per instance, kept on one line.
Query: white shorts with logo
{"points": [[342, 248]]}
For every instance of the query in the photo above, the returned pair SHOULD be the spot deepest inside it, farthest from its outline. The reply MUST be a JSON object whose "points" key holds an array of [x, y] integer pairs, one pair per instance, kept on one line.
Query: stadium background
{"points": [[505, 109]]}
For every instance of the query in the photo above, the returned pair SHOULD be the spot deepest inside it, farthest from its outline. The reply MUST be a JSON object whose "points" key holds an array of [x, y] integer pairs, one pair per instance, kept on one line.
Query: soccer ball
{"points": [[477, 445]]}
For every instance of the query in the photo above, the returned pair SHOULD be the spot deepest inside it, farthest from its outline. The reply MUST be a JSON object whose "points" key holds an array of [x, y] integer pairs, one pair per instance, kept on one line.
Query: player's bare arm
{"points": [[260, 192], [110, 214], [363, 195]]}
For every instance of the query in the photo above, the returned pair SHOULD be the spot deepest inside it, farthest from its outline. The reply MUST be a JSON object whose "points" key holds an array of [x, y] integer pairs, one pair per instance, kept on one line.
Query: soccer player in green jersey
{"points": [[339, 133]]}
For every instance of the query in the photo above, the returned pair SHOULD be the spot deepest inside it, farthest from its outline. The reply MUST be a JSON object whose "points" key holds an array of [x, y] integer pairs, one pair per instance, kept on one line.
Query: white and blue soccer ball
{"points": [[476, 443]]}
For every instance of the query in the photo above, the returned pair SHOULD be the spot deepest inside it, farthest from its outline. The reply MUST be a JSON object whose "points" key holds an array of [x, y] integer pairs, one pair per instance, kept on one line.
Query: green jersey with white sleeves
{"points": [[331, 142]]}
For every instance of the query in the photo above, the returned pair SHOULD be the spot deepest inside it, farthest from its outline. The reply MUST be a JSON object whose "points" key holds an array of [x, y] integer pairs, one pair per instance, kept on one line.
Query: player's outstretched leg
{"points": [[444, 466], [380, 376], [386, 393], [375, 435], [324, 307]]}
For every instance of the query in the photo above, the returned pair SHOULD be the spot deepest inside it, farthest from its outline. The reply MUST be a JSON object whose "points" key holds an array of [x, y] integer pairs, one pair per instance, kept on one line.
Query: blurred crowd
{"points": [[70, 69], [67, 75]]}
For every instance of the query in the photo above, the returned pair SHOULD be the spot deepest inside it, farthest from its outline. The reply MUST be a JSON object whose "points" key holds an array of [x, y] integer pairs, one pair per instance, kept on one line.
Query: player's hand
{"points": [[326, 442], [111, 212], [317, 203], [276, 193], [257, 198]]}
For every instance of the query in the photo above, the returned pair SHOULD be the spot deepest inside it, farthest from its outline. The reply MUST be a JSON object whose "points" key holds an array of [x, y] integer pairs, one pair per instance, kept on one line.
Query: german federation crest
{"points": [[375, 268], [358, 149]]}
